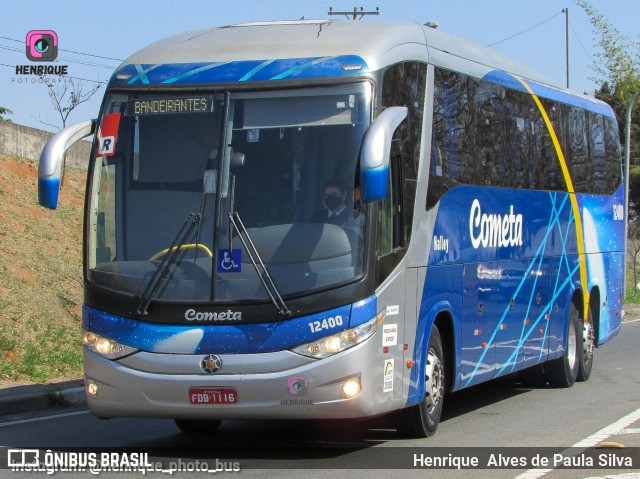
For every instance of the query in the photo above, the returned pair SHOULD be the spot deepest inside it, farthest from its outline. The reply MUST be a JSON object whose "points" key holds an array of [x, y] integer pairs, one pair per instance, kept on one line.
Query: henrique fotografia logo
{"points": [[42, 45]]}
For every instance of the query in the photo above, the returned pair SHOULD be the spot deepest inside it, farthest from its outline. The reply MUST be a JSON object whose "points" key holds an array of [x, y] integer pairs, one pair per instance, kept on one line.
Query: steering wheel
{"points": [[182, 247]]}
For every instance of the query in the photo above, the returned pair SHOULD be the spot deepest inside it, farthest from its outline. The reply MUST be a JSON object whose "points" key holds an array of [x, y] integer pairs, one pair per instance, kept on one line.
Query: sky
{"points": [[94, 36]]}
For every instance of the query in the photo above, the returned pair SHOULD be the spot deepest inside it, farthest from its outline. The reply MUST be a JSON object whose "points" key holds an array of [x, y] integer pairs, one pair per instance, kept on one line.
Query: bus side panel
{"points": [[603, 222], [480, 301], [389, 363], [524, 326], [442, 294], [611, 324]]}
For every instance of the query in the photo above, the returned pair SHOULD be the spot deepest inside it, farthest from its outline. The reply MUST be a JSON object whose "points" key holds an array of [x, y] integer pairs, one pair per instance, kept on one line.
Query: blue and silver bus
{"points": [[332, 219]]}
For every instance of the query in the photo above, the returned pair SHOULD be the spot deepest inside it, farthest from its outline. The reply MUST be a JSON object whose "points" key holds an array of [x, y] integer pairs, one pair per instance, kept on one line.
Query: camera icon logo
{"points": [[42, 45], [297, 386]]}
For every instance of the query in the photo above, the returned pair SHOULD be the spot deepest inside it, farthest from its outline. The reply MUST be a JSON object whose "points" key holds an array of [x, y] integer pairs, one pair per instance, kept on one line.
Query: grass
{"points": [[40, 276]]}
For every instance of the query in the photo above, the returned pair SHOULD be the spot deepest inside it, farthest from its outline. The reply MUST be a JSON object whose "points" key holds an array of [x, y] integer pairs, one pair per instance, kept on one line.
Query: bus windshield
{"points": [[172, 168]]}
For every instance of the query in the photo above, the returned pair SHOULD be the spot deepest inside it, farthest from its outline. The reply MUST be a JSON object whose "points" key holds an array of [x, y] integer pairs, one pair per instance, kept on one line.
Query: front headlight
{"points": [[106, 347], [336, 343]]}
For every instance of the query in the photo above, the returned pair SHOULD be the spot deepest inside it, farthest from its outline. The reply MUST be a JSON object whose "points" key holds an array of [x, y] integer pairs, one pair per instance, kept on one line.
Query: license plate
{"points": [[213, 395]]}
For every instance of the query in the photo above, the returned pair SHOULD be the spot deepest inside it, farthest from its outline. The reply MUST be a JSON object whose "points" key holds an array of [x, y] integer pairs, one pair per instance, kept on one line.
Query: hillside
{"points": [[40, 276]]}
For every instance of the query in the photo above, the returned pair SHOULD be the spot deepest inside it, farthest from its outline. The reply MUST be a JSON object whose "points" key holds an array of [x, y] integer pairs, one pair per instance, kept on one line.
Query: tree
{"points": [[617, 66], [65, 96], [3, 112]]}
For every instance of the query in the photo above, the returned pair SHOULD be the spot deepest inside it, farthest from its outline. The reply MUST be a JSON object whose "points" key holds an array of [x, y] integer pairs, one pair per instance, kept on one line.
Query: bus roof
{"points": [[261, 51]]}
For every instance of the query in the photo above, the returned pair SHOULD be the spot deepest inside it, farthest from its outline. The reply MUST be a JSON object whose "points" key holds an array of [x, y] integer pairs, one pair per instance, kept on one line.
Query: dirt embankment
{"points": [[40, 276]]}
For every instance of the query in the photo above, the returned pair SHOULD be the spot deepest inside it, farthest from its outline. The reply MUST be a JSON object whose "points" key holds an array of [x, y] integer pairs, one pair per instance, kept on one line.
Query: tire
{"points": [[563, 372], [422, 419], [189, 426], [588, 337]]}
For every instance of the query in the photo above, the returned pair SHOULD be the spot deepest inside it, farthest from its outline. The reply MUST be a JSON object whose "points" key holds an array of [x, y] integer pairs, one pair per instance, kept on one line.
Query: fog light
{"points": [[92, 389], [351, 388]]}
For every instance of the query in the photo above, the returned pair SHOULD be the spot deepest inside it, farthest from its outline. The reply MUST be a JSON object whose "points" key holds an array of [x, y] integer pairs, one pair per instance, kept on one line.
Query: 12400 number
{"points": [[327, 323]]}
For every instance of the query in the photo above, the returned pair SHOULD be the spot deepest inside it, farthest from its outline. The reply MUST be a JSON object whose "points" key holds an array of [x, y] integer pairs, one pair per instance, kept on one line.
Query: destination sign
{"points": [[163, 106]]}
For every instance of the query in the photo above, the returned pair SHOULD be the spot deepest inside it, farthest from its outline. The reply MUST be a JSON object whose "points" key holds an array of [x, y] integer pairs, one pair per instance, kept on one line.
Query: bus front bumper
{"points": [[286, 386]]}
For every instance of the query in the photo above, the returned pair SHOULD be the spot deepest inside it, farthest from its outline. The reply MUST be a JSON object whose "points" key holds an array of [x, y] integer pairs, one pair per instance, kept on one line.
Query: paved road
{"points": [[607, 407]]}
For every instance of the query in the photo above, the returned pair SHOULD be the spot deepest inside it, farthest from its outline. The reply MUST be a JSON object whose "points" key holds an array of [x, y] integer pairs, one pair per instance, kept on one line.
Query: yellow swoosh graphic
{"points": [[572, 197]]}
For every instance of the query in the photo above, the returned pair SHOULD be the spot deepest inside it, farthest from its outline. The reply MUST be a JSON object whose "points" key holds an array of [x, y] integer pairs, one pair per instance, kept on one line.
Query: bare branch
{"points": [[66, 95]]}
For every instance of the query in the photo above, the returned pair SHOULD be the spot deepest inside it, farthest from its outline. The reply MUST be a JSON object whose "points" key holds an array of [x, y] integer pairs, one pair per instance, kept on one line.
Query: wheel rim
{"points": [[589, 341], [571, 347], [434, 381]]}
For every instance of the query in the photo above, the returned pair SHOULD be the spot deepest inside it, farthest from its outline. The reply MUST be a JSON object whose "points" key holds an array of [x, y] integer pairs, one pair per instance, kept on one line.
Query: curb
{"points": [[36, 397]]}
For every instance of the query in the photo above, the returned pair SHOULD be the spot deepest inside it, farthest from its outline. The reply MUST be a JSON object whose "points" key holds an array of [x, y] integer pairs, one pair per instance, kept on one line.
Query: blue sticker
{"points": [[229, 261]]}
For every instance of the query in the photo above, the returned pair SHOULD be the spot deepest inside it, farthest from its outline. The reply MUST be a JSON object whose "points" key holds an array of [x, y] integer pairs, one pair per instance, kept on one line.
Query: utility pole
{"points": [[355, 13], [566, 28]]}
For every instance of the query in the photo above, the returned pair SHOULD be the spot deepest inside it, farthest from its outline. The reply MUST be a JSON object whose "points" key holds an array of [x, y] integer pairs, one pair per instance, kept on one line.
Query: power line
{"points": [[580, 42], [524, 31], [108, 67], [70, 51], [65, 76]]}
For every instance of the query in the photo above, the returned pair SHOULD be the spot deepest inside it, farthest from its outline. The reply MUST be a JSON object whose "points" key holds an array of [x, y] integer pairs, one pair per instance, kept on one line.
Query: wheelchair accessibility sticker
{"points": [[229, 261]]}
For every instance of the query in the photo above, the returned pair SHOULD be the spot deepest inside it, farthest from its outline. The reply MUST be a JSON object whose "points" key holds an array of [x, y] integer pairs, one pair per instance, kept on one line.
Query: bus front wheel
{"points": [[422, 419]]}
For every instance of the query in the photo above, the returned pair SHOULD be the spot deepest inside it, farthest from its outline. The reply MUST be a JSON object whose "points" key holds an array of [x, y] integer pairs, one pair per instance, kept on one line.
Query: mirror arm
{"points": [[52, 157]]}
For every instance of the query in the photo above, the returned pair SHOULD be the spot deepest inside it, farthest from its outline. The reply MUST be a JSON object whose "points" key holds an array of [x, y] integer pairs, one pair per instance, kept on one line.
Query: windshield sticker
{"points": [[229, 261], [389, 335], [107, 134], [388, 376]]}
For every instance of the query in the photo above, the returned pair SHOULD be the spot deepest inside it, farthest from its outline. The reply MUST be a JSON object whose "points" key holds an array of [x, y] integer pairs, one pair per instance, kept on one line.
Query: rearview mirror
{"points": [[376, 147], [52, 157]]}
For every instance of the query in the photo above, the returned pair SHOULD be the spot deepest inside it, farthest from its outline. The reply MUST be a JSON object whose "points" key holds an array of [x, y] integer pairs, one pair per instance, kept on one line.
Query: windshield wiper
{"points": [[167, 260], [258, 264]]}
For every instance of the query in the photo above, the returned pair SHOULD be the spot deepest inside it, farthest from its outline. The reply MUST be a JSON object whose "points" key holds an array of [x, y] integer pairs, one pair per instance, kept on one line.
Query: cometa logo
{"points": [[494, 230], [192, 315]]}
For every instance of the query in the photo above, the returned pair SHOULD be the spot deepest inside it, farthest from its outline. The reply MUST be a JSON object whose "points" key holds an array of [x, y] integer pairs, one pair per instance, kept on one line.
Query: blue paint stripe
{"points": [[256, 70], [239, 71], [225, 339], [189, 73], [549, 92], [298, 69]]}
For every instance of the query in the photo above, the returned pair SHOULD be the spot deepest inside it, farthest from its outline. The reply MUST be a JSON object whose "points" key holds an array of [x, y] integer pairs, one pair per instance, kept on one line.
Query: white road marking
{"points": [[591, 441], [628, 475], [43, 418]]}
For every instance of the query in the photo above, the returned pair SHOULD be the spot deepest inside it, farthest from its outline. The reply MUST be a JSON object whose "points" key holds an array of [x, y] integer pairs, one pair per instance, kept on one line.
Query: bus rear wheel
{"points": [[422, 419], [588, 341], [191, 426], [563, 372]]}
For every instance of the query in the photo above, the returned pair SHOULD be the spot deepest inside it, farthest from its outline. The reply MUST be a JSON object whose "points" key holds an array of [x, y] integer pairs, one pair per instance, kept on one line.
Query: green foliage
{"points": [[619, 57], [3, 112], [617, 65]]}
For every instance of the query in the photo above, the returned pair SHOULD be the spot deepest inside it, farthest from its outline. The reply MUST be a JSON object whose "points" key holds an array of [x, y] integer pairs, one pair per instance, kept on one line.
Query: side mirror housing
{"points": [[52, 157], [376, 147]]}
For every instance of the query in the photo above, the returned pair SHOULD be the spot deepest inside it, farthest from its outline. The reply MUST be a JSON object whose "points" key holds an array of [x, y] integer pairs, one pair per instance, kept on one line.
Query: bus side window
{"points": [[391, 231]]}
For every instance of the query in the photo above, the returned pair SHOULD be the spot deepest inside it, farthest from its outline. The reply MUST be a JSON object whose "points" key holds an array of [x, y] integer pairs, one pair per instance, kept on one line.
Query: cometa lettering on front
{"points": [[192, 315], [494, 230]]}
